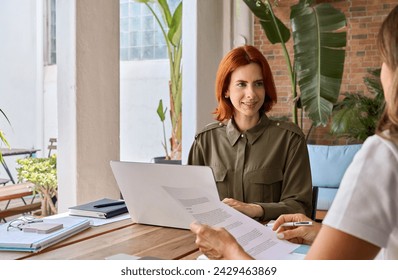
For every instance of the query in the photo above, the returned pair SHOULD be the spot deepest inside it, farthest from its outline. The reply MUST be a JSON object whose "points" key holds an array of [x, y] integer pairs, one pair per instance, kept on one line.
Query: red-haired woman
{"points": [[261, 166]]}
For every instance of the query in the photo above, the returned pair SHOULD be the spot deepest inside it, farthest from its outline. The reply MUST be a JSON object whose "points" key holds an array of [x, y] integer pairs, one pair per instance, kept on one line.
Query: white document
{"points": [[257, 240]]}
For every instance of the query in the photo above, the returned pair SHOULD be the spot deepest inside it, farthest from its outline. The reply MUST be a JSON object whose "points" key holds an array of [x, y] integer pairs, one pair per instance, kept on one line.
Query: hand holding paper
{"points": [[217, 243], [257, 240]]}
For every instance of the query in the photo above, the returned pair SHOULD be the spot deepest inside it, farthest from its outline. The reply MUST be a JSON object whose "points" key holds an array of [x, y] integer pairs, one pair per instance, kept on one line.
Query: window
{"points": [[50, 54], [140, 35]]}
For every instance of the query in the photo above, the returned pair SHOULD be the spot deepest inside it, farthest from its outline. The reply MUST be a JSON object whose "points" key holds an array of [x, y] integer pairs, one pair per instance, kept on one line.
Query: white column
{"points": [[210, 29], [39, 140], [242, 24], [202, 50], [88, 99]]}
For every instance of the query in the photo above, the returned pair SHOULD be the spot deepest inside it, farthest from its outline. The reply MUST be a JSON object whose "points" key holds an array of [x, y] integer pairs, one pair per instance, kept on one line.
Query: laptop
{"points": [[141, 185]]}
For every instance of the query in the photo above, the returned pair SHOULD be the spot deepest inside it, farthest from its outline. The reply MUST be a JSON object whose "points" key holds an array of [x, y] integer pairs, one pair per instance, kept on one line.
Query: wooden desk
{"points": [[125, 237], [15, 152]]}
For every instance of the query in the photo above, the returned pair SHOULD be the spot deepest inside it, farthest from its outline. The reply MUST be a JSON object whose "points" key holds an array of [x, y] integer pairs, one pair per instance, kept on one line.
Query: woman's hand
{"points": [[249, 209], [301, 234], [217, 243]]}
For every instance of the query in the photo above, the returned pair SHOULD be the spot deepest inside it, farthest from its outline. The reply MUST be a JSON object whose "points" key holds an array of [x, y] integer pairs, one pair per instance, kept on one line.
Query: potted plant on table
{"points": [[171, 27], [42, 172]]}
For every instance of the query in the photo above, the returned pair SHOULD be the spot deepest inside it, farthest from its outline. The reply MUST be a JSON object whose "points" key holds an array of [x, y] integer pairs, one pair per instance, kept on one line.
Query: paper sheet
{"points": [[259, 241]]}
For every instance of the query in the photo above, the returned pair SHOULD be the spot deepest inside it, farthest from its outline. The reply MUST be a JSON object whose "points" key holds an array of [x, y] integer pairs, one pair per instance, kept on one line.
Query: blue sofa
{"points": [[328, 165]]}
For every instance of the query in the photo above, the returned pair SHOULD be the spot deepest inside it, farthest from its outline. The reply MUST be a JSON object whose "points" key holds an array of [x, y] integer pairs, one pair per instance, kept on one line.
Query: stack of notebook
{"points": [[39, 236], [103, 208]]}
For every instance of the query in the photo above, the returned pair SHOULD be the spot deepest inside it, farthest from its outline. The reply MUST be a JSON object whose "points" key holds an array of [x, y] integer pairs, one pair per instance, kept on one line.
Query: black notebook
{"points": [[103, 208]]}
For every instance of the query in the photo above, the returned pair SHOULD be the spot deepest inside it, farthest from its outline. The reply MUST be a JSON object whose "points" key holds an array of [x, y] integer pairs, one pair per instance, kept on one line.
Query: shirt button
{"points": [[277, 124], [242, 135], [220, 124]]}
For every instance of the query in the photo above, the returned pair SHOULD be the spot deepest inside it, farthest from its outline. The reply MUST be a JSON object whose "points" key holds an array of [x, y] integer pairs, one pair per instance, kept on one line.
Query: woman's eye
{"points": [[241, 84], [259, 84]]}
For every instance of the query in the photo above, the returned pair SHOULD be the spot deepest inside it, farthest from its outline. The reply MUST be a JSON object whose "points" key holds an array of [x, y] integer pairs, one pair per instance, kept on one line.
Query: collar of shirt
{"points": [[233, 134]]}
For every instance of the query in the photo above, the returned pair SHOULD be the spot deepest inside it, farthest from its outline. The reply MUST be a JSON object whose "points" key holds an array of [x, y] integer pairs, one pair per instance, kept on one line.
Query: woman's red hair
{"points": [[235, 58]]}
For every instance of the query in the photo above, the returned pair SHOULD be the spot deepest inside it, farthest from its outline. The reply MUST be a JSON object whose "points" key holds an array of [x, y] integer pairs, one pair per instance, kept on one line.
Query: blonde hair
{"points": [[387, 42]]}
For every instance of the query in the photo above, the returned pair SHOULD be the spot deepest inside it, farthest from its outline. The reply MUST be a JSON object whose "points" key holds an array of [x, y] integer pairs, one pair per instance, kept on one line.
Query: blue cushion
{"points": [[329, 163], [325, 198]]}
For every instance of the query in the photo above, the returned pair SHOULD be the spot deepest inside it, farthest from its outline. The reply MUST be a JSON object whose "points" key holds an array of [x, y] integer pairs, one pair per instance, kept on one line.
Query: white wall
{"points": [[50, 112], [18, 75], [142, 84]]}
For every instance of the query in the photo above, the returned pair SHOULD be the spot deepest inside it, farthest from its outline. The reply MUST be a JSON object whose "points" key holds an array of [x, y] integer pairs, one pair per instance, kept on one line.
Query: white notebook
{"points": [[17, 240]]}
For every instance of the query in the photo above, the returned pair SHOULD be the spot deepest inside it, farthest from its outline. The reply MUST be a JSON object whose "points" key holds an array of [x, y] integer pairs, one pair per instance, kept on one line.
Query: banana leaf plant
{"points": [[319, 42], [171, 27], [2, 136]]}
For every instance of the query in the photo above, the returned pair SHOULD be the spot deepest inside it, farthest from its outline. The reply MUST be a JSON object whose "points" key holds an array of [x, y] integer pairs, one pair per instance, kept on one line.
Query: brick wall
{"points": [[363, 20]]}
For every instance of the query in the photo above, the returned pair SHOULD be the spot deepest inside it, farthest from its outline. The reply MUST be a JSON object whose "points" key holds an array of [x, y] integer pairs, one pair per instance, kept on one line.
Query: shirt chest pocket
{"points": [[264, 185], [220, 176]]}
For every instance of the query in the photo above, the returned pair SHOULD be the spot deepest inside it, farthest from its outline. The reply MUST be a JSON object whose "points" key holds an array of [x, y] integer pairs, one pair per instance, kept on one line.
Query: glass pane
{"points": [[173, 5], [135, 23], [135, 38], [141, 36], [53, 44], [148, 23], [159, 38], [145, 10], [135, 9], [124, 54], [124, 12], [160, 52], [148, 38], [53, 58], [148, 53], [124, 25], [124, 40], [135, 53]]}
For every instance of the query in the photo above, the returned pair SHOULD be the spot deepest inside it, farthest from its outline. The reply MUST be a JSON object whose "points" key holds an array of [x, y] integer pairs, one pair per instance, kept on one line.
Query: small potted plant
{"points": [[42, 172], [162, 116]]}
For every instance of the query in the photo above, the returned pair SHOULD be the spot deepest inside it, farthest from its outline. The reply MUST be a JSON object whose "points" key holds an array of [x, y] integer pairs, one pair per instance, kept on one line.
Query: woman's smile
{"points": [[247, 93]]}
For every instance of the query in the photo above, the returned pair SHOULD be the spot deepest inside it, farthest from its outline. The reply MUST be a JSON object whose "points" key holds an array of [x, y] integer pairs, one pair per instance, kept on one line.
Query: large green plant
{"points": [[355, 117], [319, 50], [42, 172], [171, 26]]}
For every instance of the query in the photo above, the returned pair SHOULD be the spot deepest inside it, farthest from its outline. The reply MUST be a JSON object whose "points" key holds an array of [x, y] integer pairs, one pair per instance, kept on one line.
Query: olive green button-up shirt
{"points": [[267, 165]]}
